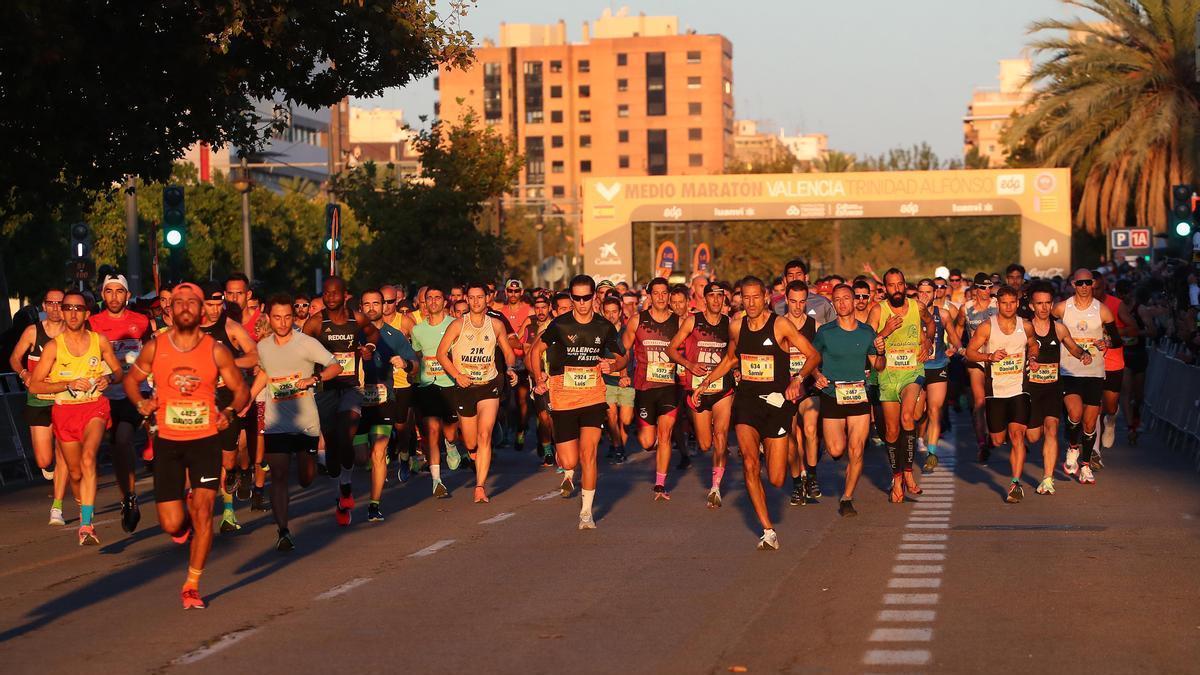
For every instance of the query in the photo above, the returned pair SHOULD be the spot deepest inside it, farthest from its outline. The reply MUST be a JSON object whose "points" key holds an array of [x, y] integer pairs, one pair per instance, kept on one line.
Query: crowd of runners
{"points": [[232, 387]]}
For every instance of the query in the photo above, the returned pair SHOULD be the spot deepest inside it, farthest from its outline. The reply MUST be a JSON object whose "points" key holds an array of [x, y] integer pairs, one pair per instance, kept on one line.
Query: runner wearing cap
{"points": [[518, 314], [977, 310]]}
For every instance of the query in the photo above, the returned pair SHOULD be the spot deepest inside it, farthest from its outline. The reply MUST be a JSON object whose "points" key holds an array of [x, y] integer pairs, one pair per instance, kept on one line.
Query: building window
{"points": [[694, 108], [623, 136], [556, 141], [656, 84], [622, 59], [623, 110], [556, 91], [558, 191], [533, 92], [656, 152], [585, 91], [491, 91], [623, 162], [695, 134], [535, 160], [585, 66], [556, 166], [728, 87], [556, 66], [585, 166], [585, 115], [556, 116], [622, 85], [693, 82], [585, 141], [695, 159], [693, 57]]}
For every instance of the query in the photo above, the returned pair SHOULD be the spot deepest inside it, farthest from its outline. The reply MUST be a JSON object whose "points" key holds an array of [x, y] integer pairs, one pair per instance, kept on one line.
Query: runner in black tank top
{"points": [[803, 442]]}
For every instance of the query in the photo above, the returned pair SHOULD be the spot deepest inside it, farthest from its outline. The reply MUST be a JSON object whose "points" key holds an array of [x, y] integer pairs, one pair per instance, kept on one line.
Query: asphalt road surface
{"points": [[1098, 578]]}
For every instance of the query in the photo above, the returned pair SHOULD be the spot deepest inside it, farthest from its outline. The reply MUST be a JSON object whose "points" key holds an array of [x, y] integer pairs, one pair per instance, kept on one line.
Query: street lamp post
{"points": [[540, 227], [243, 184]]}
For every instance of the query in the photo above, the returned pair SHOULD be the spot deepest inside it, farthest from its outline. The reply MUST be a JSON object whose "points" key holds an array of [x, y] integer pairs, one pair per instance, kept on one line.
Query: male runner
{"points": [[250, 449], [846, 346], [816, 306], [77, 366], [126, 330], [398, 316], [680, 307], [803, 448], [1092, 325], [543, 314], [574, 345], [975, 312], [24, 358], [704, 338], [291, 422], [764, 402], [519, 313], [618, 389], [1114, 368], [656, 396], [907, 331], [467, 353], [186, 365], [337, 328], [432, 394], [937, 377]]}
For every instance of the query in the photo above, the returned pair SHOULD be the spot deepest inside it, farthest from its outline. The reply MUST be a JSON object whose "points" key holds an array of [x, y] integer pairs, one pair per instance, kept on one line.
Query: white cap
{"points": [[118, 280]]}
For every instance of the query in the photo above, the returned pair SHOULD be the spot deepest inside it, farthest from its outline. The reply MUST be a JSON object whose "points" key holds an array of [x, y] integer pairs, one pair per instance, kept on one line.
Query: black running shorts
{"points": [[1002, 412], [178, 463]]}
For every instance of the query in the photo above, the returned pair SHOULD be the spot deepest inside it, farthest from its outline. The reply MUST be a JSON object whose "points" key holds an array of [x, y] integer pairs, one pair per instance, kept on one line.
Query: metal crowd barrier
{"points": [[1171, 406], [14, 435]]}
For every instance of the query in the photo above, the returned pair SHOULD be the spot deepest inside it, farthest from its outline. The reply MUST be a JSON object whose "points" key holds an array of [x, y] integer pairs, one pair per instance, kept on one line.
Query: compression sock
{"points": [[56, 504], [893, 456], [85, 514], [227, 501], [588, 496], [798, 481], [660, 478], [908, 446], [717, 474], [811, 470], [1074, 432], [1089, 442], [435, 470], [193, 578], [344, 480], [375, 503]]}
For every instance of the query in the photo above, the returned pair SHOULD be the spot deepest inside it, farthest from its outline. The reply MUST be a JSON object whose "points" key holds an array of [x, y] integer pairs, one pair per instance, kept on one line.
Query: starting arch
{"points": [[1040, 197]]}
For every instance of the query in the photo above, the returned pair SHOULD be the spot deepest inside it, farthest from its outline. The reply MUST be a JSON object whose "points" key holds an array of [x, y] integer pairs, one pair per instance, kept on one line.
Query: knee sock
{"points": [[588, 496], [1074, 432], [1089, 442], [893, 455], [193, 578], [798, 481], [908, 446], [810, 469], [85, 514], [718, 473]]}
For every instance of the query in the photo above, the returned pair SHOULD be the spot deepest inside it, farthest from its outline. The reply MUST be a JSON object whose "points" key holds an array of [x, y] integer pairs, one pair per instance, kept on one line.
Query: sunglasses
{"points": [[582, 298], [74, 308], [52, 303], [984, 286], [512, 290], [940, 287], [862, 296], [955, 280], [389, 302], [1084, 282], [300, 305]]}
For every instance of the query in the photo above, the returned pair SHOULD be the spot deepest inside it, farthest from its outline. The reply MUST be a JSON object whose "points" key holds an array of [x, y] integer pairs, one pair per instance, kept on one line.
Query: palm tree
{"points": [[1118, 103]]}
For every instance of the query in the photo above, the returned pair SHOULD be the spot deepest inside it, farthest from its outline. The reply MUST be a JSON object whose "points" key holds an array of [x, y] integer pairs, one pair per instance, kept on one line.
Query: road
{"points": [[1093, 579]]}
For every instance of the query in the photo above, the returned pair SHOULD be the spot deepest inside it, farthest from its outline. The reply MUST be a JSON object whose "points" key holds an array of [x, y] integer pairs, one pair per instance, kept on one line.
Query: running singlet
{"points": [[31, 360], [68, 367], [219, 332], [973, 317], [1049, 351], [843, 357], [339, 339], [425, 340], [474, 352], [1114, 356], [573, 353], [796, 358], [186, 389], [706, 345], [517, 314], [1086, 329], [939, 358], [904, 345], [761, 361], [1006, 377], [654, 369], [399, 375], [125, 331]]}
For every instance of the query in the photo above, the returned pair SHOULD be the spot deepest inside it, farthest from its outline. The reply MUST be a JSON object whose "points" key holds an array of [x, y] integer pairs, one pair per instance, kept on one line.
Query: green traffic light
{"points": [[173, 237], [1183, 229]]}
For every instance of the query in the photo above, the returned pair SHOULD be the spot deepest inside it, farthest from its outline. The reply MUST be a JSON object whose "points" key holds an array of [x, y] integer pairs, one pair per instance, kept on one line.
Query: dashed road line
{"points": [[432, 548], [499, 517], [224, 642], [342, 588]]}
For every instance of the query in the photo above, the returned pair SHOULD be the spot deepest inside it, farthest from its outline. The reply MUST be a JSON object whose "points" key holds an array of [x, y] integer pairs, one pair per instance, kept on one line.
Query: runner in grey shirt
{"points": [[816, 306]]}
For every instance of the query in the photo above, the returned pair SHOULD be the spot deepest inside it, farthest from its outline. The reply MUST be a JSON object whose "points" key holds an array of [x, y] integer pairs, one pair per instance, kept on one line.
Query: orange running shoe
{"points": [[191, 599]]}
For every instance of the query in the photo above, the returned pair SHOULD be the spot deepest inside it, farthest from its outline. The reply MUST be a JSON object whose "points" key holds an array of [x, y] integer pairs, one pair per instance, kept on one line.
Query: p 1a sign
{"points": [[1130, 238]]}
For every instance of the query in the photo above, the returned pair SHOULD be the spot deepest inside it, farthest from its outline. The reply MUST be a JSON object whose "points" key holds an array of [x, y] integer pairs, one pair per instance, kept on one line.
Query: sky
{"points": [[871, 74]]}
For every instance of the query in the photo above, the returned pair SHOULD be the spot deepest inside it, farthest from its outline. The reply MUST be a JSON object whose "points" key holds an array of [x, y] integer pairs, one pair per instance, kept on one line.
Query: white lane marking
{"points": [[931, 516], [342, 588], [907, 615], [922, 547], [910, 598], [928, 526], [224, 642], [916, 569], [918, 582], [913, 536], [936, 498], [432, 548], [937, 491], [932, 505], [497, 518], [901, 635], [548, 495], [897, 657], [936, 557]]}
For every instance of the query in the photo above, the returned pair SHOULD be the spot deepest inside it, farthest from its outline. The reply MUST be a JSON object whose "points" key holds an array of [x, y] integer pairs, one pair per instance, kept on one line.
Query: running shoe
{"points": [[811, 489], [910, 483], [414, 464], [519, 444], [130, 514], [233, 480], [619, 458], [931, 463], [661, 494], [404, 472], [182, 539], [285, 542], [481, 495], [374, 513], [548, 459], [714, 498], [586, 522], [87, 536], [245, 486], [797, 498], [1071, 466], [1109, 435], [1046, 487], [258, 501], [191, 599], [229, 523], [48, 474], [846, 508], [566, 487], [56, 517], [1096, 462], [453, 458], [341, 514], [769, 541], [440, 491], [1015, 494], [1085, 475]]}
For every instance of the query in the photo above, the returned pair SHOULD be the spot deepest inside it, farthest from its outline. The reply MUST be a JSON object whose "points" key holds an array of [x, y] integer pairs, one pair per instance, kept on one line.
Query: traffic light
{"points": [[333, 234], [174, 222], [81, 241]]}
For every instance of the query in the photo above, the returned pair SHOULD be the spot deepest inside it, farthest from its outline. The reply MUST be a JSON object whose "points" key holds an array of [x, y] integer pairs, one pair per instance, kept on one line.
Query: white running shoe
{"points": [[586, 522], [769, 541], [56, 517], [1071, 466], [714, 498], [48, 474], [1109, 435], [1085, 474], [1046, 487]]}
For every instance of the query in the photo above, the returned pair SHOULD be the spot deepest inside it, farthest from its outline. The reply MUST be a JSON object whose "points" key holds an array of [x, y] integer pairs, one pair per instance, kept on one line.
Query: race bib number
{"points": [[758, 367], [847, 393], [347, 361], [187, 415], [285, 388], [712, 388], [1009, 366], [433, 367], [576, 377], [796, 361], [1045, 373], [475, 372], [901, 359], [373, 394], [662, 372]]}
